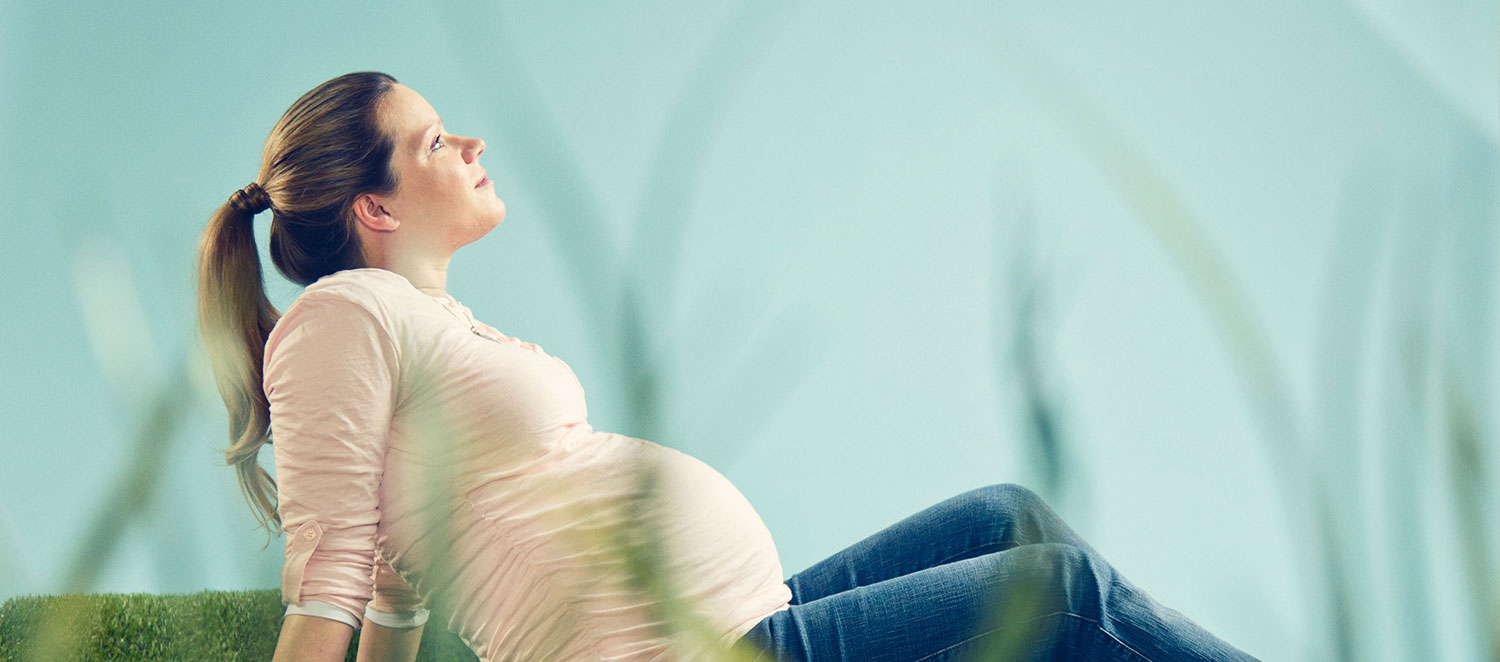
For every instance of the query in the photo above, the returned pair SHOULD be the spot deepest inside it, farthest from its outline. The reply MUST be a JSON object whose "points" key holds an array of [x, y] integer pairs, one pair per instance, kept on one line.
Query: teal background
{"points": [[1238, 260]]}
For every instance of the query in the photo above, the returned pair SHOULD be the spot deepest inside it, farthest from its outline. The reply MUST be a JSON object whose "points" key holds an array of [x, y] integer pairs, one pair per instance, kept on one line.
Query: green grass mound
{"points": [[212, 625]]}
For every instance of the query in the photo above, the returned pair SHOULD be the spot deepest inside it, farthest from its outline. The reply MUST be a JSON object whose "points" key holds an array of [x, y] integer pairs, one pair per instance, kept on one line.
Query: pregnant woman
{"points": [[424, 459]]}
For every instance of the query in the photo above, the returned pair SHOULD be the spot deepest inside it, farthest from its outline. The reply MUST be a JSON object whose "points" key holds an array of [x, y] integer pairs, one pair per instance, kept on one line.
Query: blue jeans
{"points": [[991, 574]]}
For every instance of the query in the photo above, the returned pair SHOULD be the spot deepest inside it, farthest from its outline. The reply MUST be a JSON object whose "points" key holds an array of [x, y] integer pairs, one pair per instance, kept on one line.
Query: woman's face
{"points": [[442, 193]]}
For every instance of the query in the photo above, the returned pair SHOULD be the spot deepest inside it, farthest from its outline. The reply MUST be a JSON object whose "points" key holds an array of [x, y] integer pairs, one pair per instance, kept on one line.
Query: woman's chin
{"points": [[498, 214], [491, 222]]}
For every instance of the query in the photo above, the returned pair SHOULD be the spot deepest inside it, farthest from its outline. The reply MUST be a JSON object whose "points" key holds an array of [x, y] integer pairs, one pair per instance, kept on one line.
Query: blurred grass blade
{"points": [[114, 318], [649, 281], [135, 485], [1019, 354], [1472, 501], [676, 165], [118, 331], [1304, 496], [779, 356]]}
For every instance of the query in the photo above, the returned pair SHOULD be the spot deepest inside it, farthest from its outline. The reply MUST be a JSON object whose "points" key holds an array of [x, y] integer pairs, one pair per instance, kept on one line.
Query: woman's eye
{"points": [[437, 142]]}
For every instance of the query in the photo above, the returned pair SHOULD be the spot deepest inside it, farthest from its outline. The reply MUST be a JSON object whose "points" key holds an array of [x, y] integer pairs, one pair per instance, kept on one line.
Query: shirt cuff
{"points": [[400, 620], [326, 610]]}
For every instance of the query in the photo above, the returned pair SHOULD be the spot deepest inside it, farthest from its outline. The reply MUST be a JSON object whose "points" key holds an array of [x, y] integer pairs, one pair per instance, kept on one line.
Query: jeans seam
{"points": [[1106, 633], [1030, 620]]}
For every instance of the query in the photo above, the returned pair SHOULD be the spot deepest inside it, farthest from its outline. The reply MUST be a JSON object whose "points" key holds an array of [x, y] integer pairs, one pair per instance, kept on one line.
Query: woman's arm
{"points": [[378, 643], [313, 639], [393, 619], [330, 381]]}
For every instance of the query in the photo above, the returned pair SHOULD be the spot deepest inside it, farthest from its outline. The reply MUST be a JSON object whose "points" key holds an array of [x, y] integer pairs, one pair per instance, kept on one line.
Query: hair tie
{"points": [[250, 200]]}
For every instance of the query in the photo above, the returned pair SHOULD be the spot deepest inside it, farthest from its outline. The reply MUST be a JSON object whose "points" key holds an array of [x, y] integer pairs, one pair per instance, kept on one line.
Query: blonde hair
{"points": [[326, 150]]}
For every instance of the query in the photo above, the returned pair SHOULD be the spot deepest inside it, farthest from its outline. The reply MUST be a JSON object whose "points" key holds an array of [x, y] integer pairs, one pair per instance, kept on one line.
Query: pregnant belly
{"points": [[719, 553], [701, 515], [568, 520]]}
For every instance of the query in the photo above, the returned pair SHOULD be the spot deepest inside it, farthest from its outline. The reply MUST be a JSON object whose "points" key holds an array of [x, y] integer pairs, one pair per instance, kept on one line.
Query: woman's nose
{"points": [[476, 147]]}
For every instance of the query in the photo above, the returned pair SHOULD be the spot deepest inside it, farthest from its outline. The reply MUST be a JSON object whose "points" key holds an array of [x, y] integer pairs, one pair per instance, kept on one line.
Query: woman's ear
{"points": [[373, 215]]}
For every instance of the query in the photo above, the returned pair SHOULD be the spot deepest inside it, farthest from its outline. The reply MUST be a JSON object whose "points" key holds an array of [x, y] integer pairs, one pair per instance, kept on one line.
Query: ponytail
{"points": [[235, 318]]}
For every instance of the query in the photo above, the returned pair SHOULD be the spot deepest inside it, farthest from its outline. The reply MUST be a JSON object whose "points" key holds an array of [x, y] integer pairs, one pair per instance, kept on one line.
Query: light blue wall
{"points": [[1259, 238]]}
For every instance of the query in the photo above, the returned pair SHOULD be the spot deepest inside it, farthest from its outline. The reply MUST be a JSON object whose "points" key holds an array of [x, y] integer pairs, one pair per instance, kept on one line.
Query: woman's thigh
{"points": [[1029, 602], [981, 521]]}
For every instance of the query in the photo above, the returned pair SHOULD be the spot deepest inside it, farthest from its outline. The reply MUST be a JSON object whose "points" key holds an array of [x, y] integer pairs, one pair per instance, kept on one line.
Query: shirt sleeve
{"points": [[395, 604], [324, 610], [330, 378]]}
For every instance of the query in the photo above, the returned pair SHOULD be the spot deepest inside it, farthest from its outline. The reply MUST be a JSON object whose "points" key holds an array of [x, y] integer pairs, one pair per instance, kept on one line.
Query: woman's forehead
{"points": [[407, 114]]}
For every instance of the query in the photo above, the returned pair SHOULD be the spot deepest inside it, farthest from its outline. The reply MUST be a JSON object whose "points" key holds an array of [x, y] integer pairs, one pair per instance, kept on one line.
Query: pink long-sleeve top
{"points": [[425, 459]]}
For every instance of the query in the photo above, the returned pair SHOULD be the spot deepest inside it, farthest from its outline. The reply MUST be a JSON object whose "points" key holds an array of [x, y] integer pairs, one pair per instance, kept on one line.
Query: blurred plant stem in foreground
{"points": [[111, 308], [1321, 507]]}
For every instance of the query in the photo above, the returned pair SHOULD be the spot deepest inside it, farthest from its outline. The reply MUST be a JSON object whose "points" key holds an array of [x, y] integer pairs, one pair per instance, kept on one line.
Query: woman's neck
{"points": [[428, 275]]}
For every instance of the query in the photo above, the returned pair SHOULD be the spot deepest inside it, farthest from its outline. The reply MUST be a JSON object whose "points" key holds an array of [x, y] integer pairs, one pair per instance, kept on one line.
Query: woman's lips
{"points": [[483, 179]]}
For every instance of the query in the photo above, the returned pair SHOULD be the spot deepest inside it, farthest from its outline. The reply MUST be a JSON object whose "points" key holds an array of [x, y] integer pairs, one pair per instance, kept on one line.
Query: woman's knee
{"points": [[1008, 501], [1065, 578]]}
